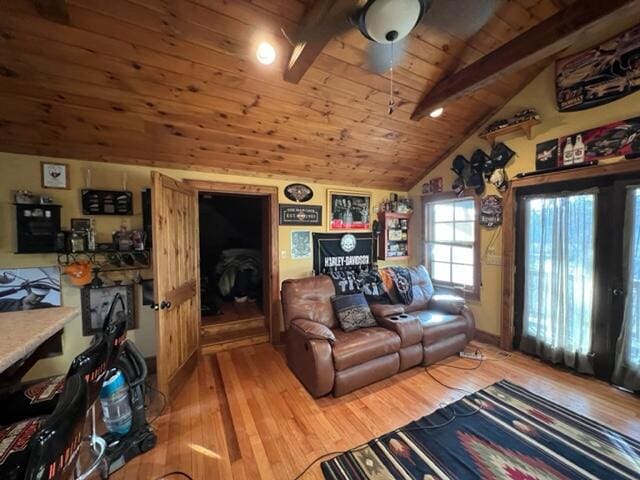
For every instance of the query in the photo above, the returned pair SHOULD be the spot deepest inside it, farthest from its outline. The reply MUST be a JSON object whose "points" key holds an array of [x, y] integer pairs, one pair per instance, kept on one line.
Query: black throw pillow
{"points": [[353, 312]]}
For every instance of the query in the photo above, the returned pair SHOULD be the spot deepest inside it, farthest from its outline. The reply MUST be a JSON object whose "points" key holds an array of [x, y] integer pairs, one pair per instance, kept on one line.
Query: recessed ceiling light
{"points": [[437, 112], [266, 54]]}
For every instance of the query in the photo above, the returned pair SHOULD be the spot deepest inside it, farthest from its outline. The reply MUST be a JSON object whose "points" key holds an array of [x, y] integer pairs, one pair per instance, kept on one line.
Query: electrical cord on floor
{"points": [[164, 401], [454, 416], [176, 472]]}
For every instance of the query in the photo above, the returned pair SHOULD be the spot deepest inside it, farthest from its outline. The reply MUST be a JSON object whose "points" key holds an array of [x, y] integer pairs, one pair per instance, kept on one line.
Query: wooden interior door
{"points": [[177, 280]]}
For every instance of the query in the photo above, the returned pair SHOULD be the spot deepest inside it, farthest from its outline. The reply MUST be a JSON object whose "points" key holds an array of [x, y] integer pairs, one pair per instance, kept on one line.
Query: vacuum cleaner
{"points": [[140, 437]]}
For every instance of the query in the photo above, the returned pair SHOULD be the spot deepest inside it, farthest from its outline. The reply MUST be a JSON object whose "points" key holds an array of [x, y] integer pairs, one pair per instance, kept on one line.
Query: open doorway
{"points": [[232, 257], [239, 269]]}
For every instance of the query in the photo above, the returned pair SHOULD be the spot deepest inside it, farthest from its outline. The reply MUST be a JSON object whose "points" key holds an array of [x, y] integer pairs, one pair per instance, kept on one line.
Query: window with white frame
{"points": [[451, 242]]}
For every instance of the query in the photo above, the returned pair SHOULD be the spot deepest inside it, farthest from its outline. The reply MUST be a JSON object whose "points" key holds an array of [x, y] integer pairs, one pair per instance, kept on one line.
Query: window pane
{"points": [[463, 255], [442, 232], [443, 212], [462, 274], [441, 272], [441, 253], [464, 232], [465, 210]]}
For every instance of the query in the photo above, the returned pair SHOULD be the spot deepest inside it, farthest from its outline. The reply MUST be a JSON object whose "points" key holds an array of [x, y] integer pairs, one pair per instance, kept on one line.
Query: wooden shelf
{"points": [[525, 127], [388, 220]]}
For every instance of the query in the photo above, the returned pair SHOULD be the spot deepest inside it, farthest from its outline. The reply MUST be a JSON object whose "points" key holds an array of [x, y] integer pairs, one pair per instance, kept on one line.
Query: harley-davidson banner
{"points": [[341, 251], [601, 74]]}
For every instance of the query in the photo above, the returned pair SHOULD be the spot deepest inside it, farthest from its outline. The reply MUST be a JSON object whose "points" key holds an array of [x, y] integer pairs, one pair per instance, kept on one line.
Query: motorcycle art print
{"points": [[29, 288], [601, 74]]}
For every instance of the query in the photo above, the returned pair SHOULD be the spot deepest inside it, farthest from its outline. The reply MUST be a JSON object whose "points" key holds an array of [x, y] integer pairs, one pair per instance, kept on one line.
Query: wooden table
{"points": [[24, 337]]}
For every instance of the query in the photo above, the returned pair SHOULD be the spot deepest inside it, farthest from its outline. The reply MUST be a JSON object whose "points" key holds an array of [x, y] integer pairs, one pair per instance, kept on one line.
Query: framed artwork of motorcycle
{"points": [[96, 303], [600, 74], [348, 211], [29, 288]]}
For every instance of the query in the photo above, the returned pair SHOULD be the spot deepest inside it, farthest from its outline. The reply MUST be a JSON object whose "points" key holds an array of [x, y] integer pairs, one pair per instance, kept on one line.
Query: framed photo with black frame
{"points": [[348, 211], [95, 306]]}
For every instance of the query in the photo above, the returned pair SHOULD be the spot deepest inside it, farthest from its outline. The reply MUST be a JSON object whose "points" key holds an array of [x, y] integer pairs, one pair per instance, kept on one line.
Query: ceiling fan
{"points": [[386, 23]]}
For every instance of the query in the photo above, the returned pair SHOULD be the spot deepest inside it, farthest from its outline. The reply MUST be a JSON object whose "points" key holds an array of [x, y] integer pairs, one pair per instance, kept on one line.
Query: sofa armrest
{"points": [[381, 310], [310, 359], [408, 328], [313, 330], [451, 304]]}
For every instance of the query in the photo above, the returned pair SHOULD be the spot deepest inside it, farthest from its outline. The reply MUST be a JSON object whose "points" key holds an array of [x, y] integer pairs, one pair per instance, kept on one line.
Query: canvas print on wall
{"points": [[349, 211], [96, 303], [29, 288], [300, 244]]}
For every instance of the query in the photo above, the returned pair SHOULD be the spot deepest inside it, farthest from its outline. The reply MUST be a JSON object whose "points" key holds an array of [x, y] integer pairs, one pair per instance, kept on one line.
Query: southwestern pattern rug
{"points": [[515, 435]]}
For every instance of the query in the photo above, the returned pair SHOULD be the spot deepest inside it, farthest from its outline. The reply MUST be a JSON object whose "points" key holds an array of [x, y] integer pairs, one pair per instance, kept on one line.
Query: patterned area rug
{"points": [[516, 435]]}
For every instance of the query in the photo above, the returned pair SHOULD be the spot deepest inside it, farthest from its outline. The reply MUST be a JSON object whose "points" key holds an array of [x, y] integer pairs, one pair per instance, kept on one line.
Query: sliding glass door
{"points": [[559, 271], [627, 355]]}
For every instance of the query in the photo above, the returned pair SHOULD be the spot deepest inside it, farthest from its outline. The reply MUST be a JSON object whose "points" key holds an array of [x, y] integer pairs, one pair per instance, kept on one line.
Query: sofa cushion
{"points": [[360, 346], [309, 299], [353, 312], [438, 326], [422, 288]]}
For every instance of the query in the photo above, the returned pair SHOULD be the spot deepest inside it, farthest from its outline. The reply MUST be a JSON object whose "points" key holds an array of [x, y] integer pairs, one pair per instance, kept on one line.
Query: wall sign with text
{"points": [[301, 215]]}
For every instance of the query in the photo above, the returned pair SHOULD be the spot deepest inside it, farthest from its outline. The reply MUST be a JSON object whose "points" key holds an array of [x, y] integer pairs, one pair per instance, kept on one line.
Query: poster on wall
{"points": [[349, 211], [300, 244], [29, 288], [601, 74], [617, 139]]}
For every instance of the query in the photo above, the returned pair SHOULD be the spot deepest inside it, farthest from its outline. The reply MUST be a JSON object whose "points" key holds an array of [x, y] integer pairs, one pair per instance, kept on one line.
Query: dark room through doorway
{"points": [[232, 258]]}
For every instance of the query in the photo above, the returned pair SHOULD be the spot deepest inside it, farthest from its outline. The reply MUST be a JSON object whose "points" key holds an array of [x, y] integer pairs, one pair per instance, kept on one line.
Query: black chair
{"points": [[41, 397], [40, 448]]}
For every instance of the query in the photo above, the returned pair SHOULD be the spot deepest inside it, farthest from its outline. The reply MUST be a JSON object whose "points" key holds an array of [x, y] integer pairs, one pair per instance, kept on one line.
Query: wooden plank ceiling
{"points": [[174, 83]]}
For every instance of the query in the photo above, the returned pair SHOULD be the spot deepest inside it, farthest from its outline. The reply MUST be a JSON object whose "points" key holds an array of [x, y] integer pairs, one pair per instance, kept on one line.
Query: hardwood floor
{"points": [[243, 415]]}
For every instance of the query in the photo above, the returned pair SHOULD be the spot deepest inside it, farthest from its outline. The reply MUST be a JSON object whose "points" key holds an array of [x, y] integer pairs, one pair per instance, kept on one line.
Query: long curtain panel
{"points": [[627, 365], [559, 277]]}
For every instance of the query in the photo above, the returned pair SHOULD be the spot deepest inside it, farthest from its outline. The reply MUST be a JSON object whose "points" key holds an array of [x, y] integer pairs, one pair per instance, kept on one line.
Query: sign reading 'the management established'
{"points": [[301, 215]]}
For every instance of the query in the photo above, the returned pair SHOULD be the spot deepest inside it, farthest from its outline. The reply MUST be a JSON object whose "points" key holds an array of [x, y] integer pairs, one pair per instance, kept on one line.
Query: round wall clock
{"points": [[348, 242], [298, 192]]}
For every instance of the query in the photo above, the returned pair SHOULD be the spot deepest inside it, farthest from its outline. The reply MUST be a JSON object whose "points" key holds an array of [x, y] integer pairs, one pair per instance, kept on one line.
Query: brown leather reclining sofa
{"points": [[327, 359]]}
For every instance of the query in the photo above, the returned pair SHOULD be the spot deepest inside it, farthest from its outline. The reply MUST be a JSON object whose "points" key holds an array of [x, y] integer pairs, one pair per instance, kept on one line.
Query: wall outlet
{"points": [[493, 260]]}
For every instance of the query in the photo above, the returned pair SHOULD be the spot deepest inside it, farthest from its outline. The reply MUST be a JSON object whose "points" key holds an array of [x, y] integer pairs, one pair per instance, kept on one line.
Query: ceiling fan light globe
{"points": [[387, 21]]}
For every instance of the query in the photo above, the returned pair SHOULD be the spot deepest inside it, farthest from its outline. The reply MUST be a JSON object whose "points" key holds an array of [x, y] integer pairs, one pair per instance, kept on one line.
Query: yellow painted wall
{"points": [[22, 172], [539, 94]]}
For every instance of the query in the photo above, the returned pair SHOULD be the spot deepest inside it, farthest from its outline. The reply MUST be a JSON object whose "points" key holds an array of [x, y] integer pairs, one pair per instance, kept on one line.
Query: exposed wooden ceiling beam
{"points": [[542, 41], [317, 28], [54, 10]]}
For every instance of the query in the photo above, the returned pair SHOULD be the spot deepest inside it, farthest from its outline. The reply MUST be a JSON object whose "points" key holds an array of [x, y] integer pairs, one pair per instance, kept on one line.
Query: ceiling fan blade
{"points": [[462, 18], [381, 56], [332, 25]]}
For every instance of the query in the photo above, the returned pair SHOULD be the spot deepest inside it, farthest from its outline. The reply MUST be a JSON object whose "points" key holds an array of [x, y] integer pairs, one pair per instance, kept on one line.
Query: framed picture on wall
{"points": [[96, 303], [55, 175], [348, 211], [29, 288], [300, 244]]}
